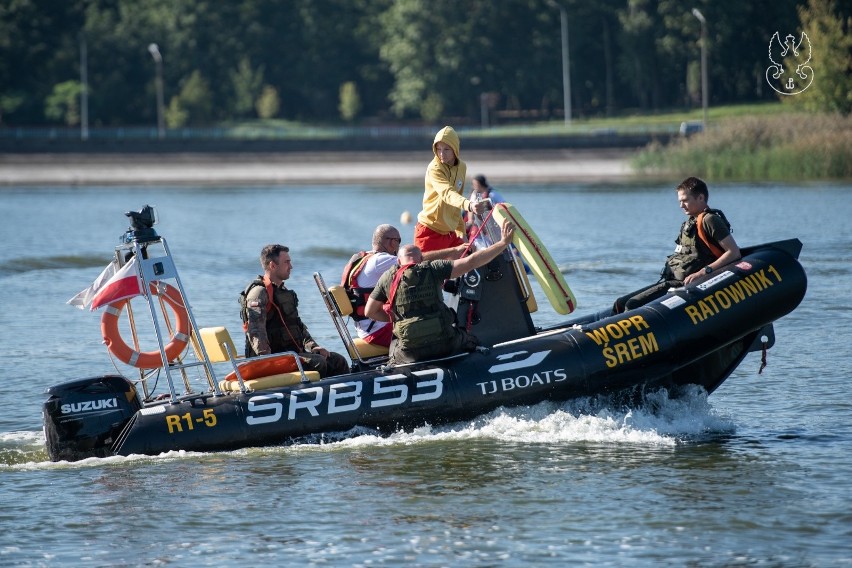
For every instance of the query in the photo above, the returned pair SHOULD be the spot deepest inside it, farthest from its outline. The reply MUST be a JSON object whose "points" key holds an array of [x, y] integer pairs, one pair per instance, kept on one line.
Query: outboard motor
{"points": [[83, 418]]}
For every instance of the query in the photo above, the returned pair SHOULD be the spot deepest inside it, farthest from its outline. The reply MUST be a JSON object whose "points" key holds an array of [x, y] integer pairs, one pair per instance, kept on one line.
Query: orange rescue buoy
{"points": [[147, 359], [265, 367]]}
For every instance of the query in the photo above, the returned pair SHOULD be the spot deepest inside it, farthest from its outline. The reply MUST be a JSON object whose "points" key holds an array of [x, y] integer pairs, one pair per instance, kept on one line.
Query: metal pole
{"points": [[84, 90], [566, 76], [701, 19], [158, 61]]}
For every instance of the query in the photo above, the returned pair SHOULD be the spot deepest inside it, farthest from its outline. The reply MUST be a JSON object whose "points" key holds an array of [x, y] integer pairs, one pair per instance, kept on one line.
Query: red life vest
{"points": [[349, 281], [388, 306]]}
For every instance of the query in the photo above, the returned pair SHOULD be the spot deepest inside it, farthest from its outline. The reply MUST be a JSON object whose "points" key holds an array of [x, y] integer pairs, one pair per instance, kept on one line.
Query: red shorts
{"points": [[428, 240], [381, 337]]}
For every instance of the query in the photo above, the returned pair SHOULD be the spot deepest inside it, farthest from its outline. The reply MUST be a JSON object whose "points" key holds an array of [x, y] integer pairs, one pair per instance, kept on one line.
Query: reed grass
{"points": [[788, 147]]}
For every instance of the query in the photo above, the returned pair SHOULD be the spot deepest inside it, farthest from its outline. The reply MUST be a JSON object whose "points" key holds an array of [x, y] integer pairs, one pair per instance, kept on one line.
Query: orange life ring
{"points": [[147, 359], [264, 368]]}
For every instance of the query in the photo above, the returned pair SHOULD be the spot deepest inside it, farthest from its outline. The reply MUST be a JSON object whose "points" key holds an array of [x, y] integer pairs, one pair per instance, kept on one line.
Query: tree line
{"points": [[380, 61]]}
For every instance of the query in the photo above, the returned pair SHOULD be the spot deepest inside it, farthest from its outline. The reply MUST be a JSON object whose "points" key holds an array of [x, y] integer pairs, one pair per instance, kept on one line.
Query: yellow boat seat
{"points": [[215, 339], [367, 350], [338, 293], [344, 305]]}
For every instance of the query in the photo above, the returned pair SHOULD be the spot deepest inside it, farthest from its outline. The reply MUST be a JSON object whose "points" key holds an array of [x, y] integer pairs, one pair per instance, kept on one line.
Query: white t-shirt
{"points": [[376, 265]]}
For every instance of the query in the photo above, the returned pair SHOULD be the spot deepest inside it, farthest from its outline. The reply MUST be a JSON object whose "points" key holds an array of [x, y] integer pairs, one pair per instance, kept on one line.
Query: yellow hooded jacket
{"points": [[443, 200]]}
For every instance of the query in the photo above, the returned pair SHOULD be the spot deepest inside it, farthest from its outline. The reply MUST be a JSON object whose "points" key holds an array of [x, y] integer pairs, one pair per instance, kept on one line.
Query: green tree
{"points": [[195, 98], [432, 108], [831, 89], [120, 66], [739, 35], [175, 115], [38, 51], [443, 61], [9, 103], [593, 29], [63, 104], [350, 102], [409, 58], [268, 104], [638, 61], [409, 52], [247, 84]]}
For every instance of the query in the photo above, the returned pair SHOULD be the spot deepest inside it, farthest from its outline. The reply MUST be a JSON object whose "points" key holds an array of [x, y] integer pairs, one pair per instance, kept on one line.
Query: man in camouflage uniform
{"points": [[273, 325], [423, 325]]}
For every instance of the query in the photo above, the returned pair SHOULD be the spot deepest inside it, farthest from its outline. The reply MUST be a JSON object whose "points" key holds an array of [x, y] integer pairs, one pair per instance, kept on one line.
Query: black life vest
{"points": [[694, 250], [243, 298], [416, 307], [349, 281]]}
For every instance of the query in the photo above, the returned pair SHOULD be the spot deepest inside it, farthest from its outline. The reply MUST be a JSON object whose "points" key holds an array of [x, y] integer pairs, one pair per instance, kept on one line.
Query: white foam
{"points": [[661, 422]]}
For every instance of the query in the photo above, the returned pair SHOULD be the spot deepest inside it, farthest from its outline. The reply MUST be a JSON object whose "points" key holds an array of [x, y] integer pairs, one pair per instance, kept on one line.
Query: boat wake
{"points": [[660, 422]]}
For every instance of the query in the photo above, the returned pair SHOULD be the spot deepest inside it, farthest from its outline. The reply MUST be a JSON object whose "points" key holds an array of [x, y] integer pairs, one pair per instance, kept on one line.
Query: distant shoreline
{"points": [[240, 169]]}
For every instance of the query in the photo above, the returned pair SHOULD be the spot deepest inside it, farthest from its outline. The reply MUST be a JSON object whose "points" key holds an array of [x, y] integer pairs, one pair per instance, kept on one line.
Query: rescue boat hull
{"points": [[693, 335]]}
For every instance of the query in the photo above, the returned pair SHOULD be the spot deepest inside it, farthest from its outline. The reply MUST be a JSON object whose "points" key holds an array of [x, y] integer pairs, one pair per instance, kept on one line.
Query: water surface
{"points": [[759, 473]]}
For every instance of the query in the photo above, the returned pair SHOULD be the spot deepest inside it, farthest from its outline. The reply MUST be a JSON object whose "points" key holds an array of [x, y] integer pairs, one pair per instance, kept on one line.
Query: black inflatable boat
{"points": [[694, 335]]}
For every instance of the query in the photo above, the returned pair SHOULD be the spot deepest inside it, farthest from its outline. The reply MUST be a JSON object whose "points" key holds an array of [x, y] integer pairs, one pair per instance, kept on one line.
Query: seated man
{"points": [[410, 296], [705, 243], [363, 271], [271, 317], [360, 276]]}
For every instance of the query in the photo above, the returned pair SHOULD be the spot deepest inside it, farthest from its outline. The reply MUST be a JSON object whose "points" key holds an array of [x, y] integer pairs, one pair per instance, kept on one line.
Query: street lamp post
{"points": [[158, 60], [566, 76], [84, 89], [701, 19]]}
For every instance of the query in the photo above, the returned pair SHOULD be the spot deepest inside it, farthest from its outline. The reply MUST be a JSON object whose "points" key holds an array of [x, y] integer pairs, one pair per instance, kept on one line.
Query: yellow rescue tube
{"points": [[538, 259]]}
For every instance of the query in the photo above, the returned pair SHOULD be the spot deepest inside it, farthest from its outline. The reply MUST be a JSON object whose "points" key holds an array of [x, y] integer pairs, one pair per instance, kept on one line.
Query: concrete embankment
{"points": [[381, 167]]}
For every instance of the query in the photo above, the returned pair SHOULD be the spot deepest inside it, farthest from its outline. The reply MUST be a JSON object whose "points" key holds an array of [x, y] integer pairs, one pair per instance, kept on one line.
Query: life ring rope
{"points": [[147, 359]]}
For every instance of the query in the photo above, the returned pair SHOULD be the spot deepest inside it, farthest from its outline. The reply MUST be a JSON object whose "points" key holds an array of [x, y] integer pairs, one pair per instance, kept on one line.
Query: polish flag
{"points": [[113, 284], [84, 297], [123, 284]]}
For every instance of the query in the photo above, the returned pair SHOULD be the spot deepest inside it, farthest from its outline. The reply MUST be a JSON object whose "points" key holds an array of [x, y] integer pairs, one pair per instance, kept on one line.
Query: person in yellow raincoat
{"points": [[440, 225]]}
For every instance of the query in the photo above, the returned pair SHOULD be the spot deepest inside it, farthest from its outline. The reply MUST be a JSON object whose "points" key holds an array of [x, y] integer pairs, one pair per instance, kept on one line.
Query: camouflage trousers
{"points": [[459, 342]]}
